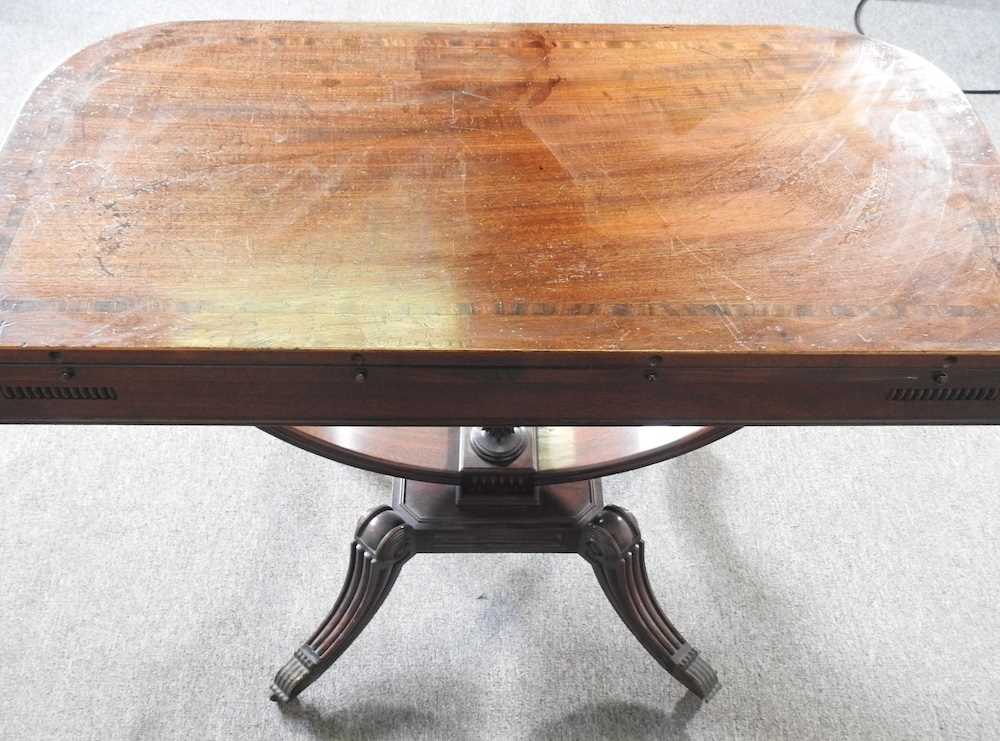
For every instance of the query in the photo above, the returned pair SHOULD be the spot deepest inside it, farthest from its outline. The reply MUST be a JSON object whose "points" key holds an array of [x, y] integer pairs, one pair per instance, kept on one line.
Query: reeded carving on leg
{"points": [[382, 544], [611, 542]]}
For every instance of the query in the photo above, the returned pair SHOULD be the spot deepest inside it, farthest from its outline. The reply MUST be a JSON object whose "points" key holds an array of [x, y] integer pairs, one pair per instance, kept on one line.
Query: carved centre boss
{"points": [[497, 263]]}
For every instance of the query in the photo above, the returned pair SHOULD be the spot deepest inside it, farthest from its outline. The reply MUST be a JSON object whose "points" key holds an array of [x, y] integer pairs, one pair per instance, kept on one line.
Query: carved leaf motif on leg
{"points": [[382, 544], [613, 545]]}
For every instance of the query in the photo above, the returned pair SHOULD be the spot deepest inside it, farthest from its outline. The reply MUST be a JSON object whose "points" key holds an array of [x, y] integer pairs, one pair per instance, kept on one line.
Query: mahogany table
{"points": [[497, 263]]}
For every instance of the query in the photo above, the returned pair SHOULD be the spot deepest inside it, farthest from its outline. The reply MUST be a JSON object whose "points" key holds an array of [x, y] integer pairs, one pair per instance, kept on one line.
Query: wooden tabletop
{"points": [[768, 195], [611, 188]]}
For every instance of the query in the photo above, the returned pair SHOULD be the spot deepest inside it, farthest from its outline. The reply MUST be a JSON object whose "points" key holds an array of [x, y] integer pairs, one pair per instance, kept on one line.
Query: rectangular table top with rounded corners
{"points": [[441, 224]]}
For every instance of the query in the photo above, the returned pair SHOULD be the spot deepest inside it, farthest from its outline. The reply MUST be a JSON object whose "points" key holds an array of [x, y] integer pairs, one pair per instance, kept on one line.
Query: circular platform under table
{"points": [[564, 453]]}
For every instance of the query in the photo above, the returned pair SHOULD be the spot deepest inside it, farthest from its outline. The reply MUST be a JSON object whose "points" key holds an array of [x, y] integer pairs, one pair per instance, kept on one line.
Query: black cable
{"points": [[857, 25]]}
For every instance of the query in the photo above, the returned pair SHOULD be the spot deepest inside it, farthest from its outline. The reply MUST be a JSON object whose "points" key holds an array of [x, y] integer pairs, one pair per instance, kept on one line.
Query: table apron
{"points": [[430, 395]]}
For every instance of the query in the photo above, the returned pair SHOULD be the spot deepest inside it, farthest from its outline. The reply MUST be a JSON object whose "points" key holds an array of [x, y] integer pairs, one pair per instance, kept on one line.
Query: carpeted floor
{"points": [[843, 581]]}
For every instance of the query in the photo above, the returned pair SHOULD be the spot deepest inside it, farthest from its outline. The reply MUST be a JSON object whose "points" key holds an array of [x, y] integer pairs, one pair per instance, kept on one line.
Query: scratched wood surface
{"points": [[302, 186]]}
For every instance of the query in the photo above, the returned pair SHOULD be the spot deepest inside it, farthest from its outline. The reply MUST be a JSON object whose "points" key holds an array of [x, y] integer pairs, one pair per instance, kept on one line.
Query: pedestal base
{"points": [[437, 518]]}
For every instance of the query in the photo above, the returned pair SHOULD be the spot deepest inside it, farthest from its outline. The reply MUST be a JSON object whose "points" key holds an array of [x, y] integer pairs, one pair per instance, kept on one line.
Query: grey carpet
{"points": [[842, 581]]}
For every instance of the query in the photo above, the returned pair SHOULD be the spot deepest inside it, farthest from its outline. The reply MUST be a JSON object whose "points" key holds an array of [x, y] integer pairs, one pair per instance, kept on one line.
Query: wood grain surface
{"points": [[308, 223], [302, 186]]}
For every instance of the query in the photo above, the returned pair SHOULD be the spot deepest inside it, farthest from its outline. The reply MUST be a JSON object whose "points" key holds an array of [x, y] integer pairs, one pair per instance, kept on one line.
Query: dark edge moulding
{"points": [[913, 390]]}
